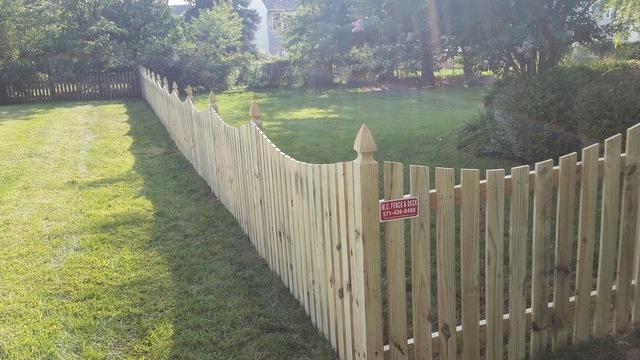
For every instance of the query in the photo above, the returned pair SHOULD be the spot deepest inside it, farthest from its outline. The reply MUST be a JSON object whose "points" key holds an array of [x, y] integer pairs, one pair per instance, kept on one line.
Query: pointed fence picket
{"points": [[317, 226]]}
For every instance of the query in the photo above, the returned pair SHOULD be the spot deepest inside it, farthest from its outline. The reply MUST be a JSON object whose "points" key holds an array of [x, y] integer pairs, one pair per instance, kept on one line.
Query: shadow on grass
{"points": [[226, 303]]}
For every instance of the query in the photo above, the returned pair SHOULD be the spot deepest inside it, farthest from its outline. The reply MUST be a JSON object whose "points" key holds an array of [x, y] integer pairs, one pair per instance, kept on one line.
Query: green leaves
{"points": [[70, 36], [213, 47]]}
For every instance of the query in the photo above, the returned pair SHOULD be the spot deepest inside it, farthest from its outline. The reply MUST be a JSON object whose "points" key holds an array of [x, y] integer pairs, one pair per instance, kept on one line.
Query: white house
{"points": [[607, 18], [271, 22]]}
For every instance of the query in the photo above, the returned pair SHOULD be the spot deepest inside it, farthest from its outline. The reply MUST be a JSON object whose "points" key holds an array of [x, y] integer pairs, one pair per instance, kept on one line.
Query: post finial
{"points": [[213, 102], [365, 144], [165, 82], [256, 113], [189, 92], [174, 88]]}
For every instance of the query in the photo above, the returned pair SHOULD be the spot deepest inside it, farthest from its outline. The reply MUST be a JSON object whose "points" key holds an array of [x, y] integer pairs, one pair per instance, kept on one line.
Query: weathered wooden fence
{"points": [[90, 87], [317, 227]]}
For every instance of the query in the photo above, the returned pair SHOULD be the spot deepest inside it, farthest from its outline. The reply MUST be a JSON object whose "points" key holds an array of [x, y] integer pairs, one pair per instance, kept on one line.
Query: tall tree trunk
{"points": [[427, 76]]}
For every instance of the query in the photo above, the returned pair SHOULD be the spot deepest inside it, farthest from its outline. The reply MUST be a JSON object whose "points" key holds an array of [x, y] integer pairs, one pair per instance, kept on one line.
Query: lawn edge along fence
{"points": [[318, 227], [103, 86]]}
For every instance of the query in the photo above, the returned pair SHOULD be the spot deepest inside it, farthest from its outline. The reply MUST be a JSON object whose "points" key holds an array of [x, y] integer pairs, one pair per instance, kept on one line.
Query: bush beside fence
{"points": [[317, 227]]}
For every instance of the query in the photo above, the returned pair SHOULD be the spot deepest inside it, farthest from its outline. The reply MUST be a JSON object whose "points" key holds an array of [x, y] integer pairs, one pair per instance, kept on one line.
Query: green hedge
{"points": [[556, 112], [594, 101], [269, 73]]}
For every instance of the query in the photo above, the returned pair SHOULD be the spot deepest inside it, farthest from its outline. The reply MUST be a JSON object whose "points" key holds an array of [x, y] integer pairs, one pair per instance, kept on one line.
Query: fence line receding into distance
{"points": [[88, 87], [317, 227]]}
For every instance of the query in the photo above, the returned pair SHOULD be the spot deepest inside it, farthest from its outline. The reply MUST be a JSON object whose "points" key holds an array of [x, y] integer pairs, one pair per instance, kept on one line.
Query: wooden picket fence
{"points": [[90, 87], [318, 228]]}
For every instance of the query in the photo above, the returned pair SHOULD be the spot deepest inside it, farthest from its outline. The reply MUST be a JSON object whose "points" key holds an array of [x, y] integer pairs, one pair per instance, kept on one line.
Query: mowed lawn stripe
{"points": [[114, 248]]}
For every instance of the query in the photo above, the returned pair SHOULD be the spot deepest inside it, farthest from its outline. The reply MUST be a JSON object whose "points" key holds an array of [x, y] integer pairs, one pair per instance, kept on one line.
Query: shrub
{"points": [[627, 51], [555, 112], [519, 139], [608, 107], [270, 73], [485, 136]]}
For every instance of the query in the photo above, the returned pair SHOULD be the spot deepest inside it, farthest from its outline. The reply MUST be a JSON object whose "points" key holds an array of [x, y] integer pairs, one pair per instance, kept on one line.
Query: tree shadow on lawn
{"points": [[226, 303]]}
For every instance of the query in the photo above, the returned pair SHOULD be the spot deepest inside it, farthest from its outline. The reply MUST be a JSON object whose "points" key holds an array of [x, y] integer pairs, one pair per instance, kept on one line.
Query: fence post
{"points": [[52, 87], [174, 89], [213, 101], [366, 266], [256, 114]]}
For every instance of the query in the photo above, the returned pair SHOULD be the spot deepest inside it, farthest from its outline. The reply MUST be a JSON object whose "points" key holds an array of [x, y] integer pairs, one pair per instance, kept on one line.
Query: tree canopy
{"points": [[212, 46], [325, 40], [250, 18], [414, 36], [66, 37], [627, 11]]}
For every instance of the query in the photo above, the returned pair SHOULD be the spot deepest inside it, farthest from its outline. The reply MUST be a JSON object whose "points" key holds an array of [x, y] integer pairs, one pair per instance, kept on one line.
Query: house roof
{"points": [[279, 4]]}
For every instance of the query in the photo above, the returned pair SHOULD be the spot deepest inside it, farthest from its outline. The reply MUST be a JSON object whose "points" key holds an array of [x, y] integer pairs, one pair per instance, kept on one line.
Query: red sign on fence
{"points": [[406, 208]]}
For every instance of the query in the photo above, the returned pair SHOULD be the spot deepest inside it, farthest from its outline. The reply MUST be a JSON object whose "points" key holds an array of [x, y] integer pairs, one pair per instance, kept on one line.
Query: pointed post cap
{"points": [[165, 82], [364, 141], [189, 91], [256, 113], [174, 86], [213, 102], [212, 98], [364, 145]]}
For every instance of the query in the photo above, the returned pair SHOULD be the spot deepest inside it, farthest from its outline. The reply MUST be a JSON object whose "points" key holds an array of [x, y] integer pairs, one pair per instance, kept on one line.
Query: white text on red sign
{"points": [[406, 208]]}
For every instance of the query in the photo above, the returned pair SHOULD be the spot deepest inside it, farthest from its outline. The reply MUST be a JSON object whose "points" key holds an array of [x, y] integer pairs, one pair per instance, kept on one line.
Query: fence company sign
{"points": [[405, 208]]}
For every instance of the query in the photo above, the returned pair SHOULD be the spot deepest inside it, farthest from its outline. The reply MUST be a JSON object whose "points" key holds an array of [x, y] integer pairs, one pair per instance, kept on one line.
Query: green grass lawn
{"points": [[112, 247], [409, 126]]}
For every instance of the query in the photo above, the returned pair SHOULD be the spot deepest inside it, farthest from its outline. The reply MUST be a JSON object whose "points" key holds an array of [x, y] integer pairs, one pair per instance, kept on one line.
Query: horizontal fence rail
{"points": [[509, 266], [538, 278], [91, 87]]}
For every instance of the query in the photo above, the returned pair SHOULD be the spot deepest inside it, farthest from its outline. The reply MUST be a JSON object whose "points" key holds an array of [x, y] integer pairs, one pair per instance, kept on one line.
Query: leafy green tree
{"points": [[213, 47], [403, 33], [27, 33], [624, 16], [463, 26], [8, 31], [99, 35], [67, 37], [627, 11], [250, 18], [530, 37], [319, 38]]}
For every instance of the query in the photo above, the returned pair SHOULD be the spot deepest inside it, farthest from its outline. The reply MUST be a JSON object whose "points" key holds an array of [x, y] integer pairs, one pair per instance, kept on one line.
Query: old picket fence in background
{"points": [[90, 87], [318, 228]]}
